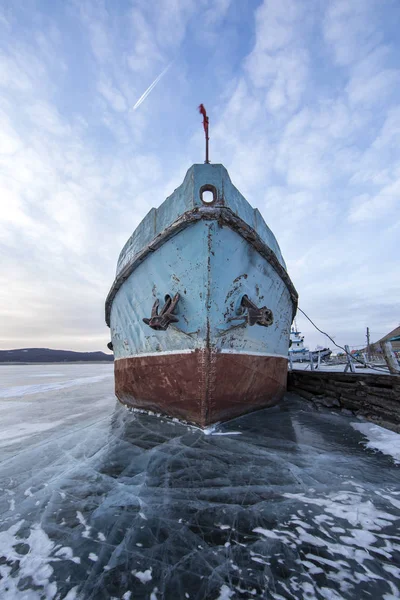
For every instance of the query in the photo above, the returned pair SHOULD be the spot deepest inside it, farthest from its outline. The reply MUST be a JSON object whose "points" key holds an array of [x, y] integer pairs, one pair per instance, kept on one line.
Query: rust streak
{"points": [[236, 384]]}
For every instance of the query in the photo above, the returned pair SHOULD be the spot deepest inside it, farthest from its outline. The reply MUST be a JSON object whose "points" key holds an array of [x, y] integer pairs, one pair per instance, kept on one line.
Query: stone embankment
{"points": [[373, 396]]}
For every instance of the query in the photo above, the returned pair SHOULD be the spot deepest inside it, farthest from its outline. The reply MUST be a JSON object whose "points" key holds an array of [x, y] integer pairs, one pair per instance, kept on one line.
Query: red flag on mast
{"points": [[202, 111]]}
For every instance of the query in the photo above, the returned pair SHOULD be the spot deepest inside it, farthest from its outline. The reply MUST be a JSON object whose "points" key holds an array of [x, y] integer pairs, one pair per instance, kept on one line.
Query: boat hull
{"points": [[201, 309], [202, 386]]}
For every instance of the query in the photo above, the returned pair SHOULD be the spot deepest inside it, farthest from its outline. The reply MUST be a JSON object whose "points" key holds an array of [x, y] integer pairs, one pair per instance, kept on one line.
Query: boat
{"points": [[201, 307], [321, 353], [299, 353]]}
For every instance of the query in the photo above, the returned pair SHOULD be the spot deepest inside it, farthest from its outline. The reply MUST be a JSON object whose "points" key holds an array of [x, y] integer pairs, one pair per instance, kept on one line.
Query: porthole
{"points": [[208, 194]]}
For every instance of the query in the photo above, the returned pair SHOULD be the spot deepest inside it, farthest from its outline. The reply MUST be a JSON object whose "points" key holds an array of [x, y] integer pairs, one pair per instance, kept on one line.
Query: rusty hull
{"points": [[202, 387]]}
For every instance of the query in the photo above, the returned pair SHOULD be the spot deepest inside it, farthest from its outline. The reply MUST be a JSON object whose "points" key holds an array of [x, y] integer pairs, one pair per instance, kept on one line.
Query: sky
{"points": [[303, 98]]}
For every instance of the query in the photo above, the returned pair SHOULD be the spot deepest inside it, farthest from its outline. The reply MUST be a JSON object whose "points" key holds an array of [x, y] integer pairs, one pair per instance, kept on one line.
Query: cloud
{"points": [[113, 96], [63, 199], [376, 208], [304, 113], [332, 133], [279, 63], [350, 29], [145, 52]]}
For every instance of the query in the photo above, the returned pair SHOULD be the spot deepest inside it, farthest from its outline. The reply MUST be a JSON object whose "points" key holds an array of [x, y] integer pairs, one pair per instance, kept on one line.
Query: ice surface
{"points": [[101, 503], [40, 388], [381, 439]]}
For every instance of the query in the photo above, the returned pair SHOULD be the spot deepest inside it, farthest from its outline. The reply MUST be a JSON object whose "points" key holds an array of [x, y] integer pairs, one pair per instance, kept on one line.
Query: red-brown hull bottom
{"points": [[202, 387]]}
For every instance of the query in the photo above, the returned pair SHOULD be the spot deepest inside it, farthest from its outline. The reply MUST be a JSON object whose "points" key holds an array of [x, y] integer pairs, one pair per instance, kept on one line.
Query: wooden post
{"points": [[350, 363], [290, 362], [319, 361], [390, 358], [311, 361], [368, 346]]}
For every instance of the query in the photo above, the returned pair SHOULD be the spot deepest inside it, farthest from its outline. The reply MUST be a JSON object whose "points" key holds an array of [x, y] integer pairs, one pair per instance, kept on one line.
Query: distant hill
{"points": [[391, 334], [46, 355], [376, 348]]}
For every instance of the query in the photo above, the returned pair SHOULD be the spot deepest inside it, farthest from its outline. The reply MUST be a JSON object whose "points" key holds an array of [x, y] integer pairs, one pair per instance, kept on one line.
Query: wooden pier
{"points": [[373, 396]]}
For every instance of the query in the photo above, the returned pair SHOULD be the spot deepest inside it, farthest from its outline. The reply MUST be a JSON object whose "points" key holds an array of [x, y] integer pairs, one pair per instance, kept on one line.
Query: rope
{"points": [[341, 347]]}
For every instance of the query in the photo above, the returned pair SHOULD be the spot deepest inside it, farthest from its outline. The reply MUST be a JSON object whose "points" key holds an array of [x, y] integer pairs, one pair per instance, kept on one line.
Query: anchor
{"points": [[162, 321], [257, 316]]}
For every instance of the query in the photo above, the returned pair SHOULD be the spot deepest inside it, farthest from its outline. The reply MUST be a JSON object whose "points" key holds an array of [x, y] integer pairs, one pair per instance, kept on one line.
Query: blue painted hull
{"points": [[212, 258]]}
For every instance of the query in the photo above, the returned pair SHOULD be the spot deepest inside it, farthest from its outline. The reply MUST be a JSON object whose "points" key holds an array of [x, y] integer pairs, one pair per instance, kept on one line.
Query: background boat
{"points": [[299, 353]]}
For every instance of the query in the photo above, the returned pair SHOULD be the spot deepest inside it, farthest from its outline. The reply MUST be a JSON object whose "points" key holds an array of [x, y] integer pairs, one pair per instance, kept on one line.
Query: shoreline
{"points": [[66, 362]]}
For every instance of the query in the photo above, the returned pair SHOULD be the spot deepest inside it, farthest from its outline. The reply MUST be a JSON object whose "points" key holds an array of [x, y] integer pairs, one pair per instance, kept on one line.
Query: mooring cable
{"points": [[363, 363]]}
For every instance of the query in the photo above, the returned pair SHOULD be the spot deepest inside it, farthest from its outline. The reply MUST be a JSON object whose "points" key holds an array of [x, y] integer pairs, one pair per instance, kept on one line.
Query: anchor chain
{"points": [[161, 321], [257, 316]]}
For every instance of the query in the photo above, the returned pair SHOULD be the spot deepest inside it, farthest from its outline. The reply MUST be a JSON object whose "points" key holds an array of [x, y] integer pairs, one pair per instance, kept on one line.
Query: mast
{"points": [[202, 111]]}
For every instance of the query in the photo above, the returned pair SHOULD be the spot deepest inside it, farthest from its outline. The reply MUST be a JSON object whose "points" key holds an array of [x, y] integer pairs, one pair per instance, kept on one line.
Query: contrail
{"points": [[151, 87]]}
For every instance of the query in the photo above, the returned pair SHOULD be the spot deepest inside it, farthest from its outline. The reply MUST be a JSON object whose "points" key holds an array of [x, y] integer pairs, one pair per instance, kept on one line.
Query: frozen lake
{"points": [[97, 502]]}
